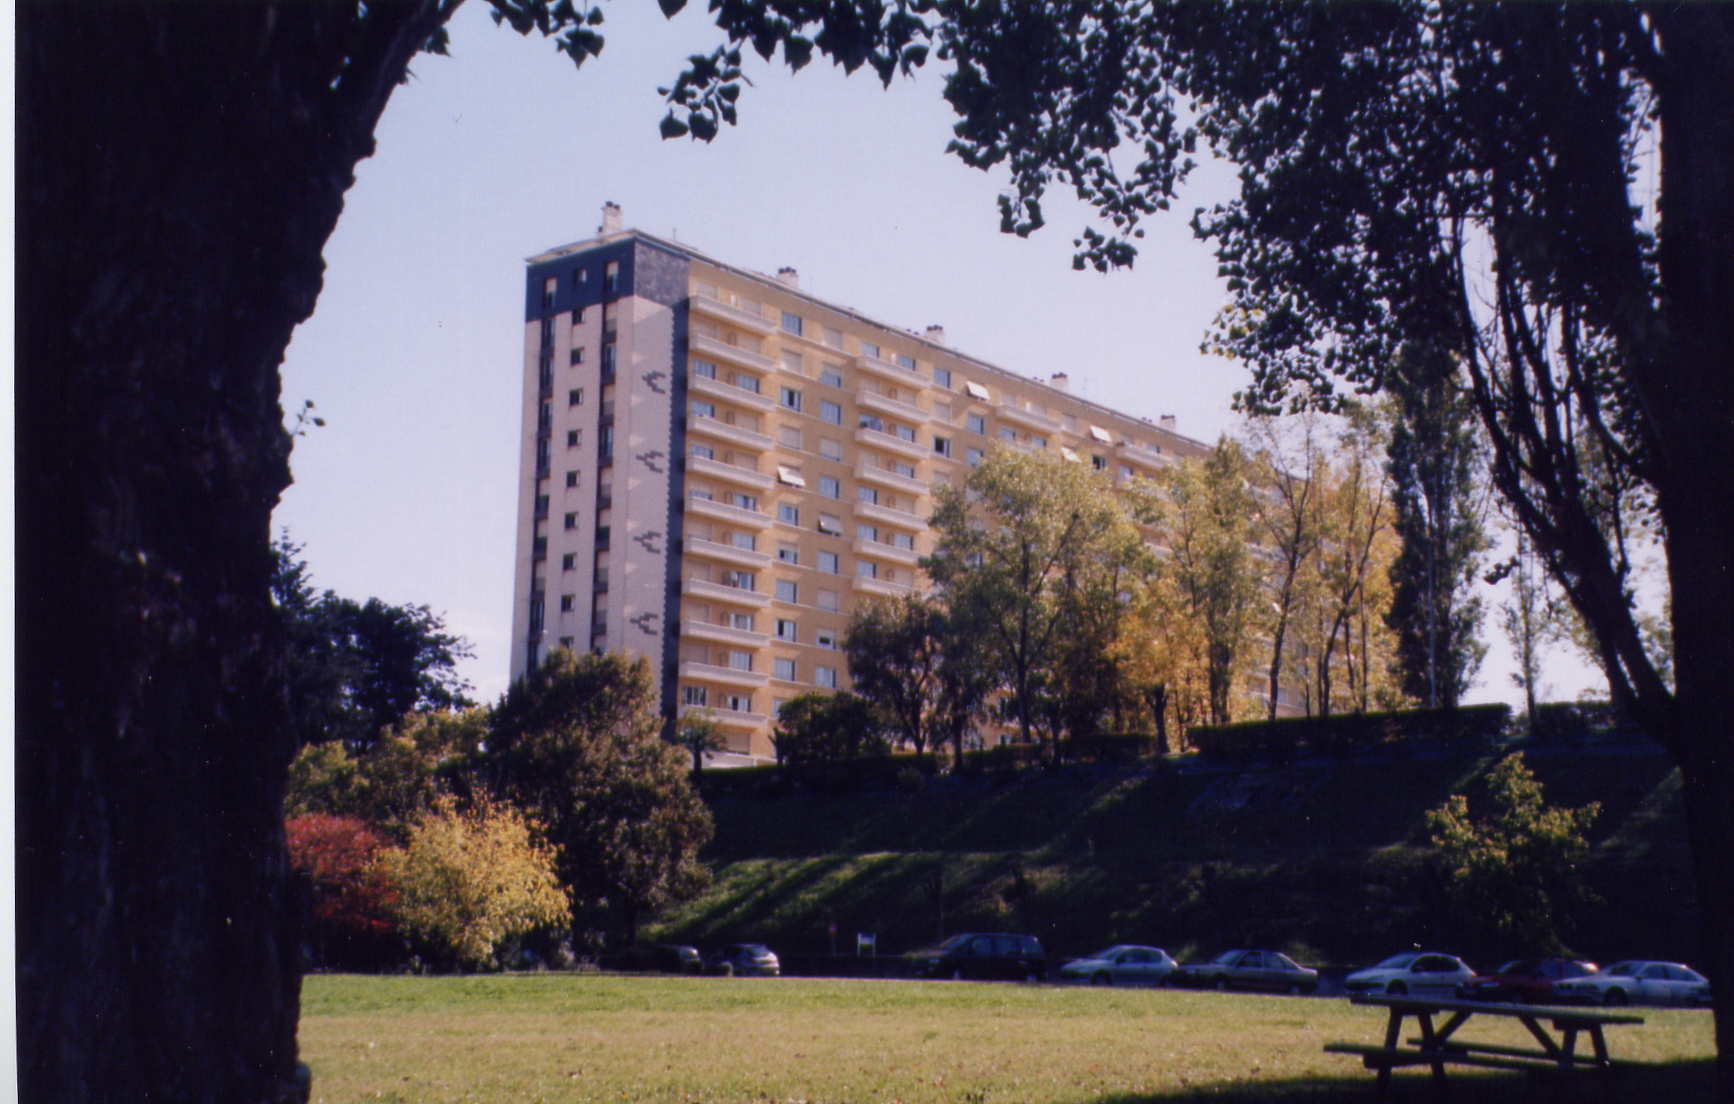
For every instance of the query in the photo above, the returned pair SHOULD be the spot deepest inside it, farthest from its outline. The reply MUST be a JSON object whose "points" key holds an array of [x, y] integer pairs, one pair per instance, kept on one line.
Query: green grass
{"points": [[565, 1037]]}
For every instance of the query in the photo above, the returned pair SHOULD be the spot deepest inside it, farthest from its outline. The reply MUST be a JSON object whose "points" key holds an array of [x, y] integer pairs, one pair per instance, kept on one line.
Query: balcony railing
{"points": [[885, 477], [717, 349], [728, 392], [884, 369], [722, 511], [733, 315], [693, 671], [716, 592], [872, 511], [727, 553], [897, 408], [723, 431], [729, 473], [913, 450]]}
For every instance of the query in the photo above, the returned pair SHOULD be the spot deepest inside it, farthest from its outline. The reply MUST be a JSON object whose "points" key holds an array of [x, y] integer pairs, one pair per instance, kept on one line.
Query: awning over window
{"points": [[1101, 434], [790, 476], [976, 390], [1070, 455]]}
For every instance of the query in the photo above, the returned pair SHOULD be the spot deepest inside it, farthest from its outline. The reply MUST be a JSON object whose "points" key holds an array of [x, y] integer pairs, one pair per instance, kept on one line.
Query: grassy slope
{"points": [[1318, 857], [563, 1037]]}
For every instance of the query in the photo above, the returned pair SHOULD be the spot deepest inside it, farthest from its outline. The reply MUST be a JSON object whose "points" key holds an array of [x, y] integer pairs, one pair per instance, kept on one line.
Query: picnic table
{"points": [[1556, 1031]]}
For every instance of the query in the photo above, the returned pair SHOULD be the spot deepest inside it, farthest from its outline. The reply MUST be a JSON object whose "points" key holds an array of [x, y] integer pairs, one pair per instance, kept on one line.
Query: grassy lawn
{"points": [[560, 1037]]}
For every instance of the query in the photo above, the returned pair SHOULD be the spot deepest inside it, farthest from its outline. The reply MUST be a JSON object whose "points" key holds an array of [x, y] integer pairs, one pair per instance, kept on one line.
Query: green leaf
{"points": [[672, 127]]}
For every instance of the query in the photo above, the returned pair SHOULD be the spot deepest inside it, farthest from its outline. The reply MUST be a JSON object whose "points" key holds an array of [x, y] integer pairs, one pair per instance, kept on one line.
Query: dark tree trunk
{"points": [[180, 168]]}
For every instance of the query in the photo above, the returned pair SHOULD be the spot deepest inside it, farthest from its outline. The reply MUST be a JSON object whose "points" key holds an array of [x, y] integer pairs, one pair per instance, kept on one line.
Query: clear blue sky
{"points": [[413, 356]]}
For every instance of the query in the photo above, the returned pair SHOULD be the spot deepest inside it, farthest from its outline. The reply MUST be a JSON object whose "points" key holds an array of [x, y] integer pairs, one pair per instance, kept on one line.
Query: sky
{"points": [[413, 356]]}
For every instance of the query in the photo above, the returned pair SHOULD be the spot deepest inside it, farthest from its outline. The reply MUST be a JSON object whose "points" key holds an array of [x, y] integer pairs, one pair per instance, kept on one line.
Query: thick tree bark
{"points": [[180, 168]]}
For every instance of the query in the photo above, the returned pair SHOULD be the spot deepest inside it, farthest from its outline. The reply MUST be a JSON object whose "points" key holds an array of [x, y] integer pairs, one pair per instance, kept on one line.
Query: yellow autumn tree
{"points": [[469, 881]]}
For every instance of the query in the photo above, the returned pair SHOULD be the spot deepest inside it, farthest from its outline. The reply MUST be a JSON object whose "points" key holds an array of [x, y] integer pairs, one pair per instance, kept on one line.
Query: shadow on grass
{"points": [[1674, 1083]]}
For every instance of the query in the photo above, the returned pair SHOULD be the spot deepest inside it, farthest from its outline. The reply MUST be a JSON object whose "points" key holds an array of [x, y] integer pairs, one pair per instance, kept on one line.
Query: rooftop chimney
{"points": [[1059, 381], [610, 218], [936, 334], [1166, 421], [789, 278]]}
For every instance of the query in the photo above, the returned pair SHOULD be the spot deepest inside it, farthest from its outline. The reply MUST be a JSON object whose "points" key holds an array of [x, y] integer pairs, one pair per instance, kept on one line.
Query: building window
{"points": [[790, 436], [831, 525], [745, 382], [575, 397], [739, 580], [741, 621], [703, 452], [571, 479], [787, 591], [572, 521], [578, 356], [977, 424], [867, 494], [704, 368], [692, 695], [866, 569], [942, 376], [740, 661], [569, 562], [788, 553], [868, 349], [702, 409], [739, 703], [942, 445], [566, 643], [828, 600], [831, 376], [791, 399], [867, 532], [830, 412], [825, 677], [902, 540], [906, 362], [611, 278], [792, 323], [829, 449], [833, 338], [826, 638], [1007, 433], [573, 438], [744, 540], [907, 471], [830, 486], [744, 501], [783, 669], [1100, 463], [828, 562], [787, 629], [972, 457], [788, 513], [566, 602], [792, 364]]}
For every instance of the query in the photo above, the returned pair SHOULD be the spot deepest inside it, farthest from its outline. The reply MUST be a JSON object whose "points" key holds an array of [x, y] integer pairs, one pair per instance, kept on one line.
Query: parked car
{"points": [[1638, 981], [981, 956], [1121, 964], [1526, 979], [743, 960], [667, 958], [1413, 973], [1241, 969]]}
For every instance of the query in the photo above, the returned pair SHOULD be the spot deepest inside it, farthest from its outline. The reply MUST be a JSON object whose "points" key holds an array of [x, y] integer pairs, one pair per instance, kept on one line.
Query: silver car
{"points": [[1121, 964], [1638, 981], [1415, 973], [1242, 969]]}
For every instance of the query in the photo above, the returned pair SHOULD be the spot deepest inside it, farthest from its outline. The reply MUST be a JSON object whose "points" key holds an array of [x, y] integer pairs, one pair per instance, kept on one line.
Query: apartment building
{"points": [[717, 467]]}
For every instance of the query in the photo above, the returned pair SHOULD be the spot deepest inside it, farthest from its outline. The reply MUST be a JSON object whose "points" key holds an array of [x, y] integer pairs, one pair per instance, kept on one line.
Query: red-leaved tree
{"points": [[352, 895]]}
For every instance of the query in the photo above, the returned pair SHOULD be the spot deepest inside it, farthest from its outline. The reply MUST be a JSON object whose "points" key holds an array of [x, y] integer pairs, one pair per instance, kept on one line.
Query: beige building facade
{"points": [[717, 467]]}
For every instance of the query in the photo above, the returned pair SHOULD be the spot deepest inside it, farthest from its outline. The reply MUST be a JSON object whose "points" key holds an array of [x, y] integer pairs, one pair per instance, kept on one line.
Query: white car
{"points": [[1416, 973], [1638, 980], [1121, 964]]}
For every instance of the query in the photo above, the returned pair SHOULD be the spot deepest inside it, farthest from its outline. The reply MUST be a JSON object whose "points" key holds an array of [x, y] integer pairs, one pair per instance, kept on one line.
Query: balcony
{"points": [[876, 550], [722, 511], [1145, 456], [883, 587], [722, 634], [726, 553], [715, 349], [726, 718], [733, 315], [884, 369], [913, 450], [903, 519], [885, 477], [729, 393], [897, 408], [1029, 419], [716, 592], [728, 473], [733, 434], [692, 671]]}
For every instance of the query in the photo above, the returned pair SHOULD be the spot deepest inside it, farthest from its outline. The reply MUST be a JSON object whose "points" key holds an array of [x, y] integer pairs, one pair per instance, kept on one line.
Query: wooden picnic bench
{"points": [[1436, 1047]]}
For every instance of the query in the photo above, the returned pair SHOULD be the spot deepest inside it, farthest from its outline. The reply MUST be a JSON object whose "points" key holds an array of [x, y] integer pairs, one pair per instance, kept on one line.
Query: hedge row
{"points": [[1473, 726]]}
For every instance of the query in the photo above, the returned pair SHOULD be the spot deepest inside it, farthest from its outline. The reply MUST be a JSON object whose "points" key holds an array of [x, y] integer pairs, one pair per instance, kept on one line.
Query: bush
{"points": [[1124, 747], [1467, 728], [472, 883], [352, 898]]}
